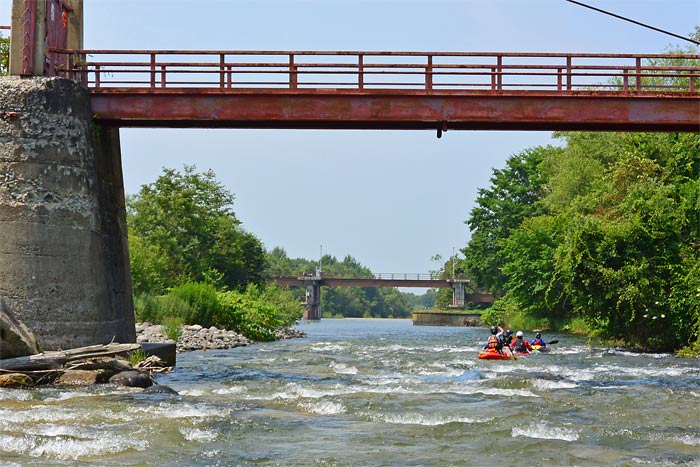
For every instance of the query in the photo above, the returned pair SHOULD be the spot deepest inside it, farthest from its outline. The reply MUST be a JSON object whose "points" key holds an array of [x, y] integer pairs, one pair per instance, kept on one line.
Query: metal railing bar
{"points": [[373, 53]]}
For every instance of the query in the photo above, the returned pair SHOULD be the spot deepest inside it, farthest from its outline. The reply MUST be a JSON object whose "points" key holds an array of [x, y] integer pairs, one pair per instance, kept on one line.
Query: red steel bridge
{"points": [[462, 292], [387, 90]]}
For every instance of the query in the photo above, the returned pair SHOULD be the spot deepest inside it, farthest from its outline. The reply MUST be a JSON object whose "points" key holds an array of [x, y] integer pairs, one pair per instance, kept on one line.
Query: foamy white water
{"points": [[372, 392]]}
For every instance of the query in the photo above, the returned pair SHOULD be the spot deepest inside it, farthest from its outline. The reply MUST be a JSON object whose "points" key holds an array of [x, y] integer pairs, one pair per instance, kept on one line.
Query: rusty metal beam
{"points": [[396, 109]]}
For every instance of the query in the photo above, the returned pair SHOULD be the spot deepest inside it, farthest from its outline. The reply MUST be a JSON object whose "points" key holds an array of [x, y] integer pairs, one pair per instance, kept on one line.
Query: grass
{"points": [[137, 356]]}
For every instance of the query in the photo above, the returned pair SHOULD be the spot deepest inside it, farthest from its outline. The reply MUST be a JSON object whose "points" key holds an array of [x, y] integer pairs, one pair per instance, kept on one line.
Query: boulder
{"points": [[160, 389], [15, 339], [15, 380], [132, 379], [81, 377]]}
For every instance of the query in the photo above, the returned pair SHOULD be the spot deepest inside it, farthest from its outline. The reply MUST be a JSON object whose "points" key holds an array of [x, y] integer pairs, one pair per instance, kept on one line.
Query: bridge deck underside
{"points": [[395, 109]]}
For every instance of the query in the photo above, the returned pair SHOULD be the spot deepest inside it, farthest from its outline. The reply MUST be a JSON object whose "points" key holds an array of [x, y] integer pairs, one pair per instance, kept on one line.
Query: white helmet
{"points": [[519, 334]]}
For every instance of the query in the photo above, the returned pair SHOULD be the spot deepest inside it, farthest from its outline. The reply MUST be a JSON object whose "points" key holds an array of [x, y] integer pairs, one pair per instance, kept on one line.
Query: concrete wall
{"points": [[440, 318], [64, 267]]}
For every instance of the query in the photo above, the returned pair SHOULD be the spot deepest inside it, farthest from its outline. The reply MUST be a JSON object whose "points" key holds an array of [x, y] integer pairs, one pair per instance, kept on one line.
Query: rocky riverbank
{"points": [[196, 337]]}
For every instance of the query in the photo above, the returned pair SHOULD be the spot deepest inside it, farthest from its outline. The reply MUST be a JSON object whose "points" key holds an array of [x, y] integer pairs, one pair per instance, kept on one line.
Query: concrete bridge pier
{"points": [[459, 294], [312, 301], [64, 261]]}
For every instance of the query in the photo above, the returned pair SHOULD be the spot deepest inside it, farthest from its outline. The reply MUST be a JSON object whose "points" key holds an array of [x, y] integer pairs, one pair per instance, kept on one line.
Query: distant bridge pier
{"points": [[312, 301], [459, 294], [462, 291]]}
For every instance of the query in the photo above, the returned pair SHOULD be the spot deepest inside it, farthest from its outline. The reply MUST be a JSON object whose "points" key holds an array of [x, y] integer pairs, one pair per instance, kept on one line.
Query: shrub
{"points": [[146, 308], [170, 306], [287, 305], [172, 327], [247, 316], [202, 299]]}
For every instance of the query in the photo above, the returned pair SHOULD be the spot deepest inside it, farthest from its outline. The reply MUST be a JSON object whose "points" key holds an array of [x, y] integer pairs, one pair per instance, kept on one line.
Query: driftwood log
{"points": [[57, 359]]}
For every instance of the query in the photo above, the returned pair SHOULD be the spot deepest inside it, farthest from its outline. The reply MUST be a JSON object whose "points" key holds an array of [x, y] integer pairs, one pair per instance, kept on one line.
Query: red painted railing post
{"points": [[559, 77], [638, 74], [97, 76], [292, 72], [229, 76], [499, 76], [429, 74], [360, 71], [222, 71], [493, 79], [153, 71], [71, 72], [692, 77], [569, 84], [162, 76], [84, 70], [625, 80]]}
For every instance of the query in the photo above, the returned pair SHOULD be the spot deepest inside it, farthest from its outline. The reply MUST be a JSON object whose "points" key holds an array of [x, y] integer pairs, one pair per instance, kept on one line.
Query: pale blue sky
{"points": [[392, 199]]}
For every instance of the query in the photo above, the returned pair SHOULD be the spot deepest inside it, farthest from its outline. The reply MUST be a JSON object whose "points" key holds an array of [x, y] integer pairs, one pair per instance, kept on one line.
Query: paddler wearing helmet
{"points": [[538, 341], [520, 344], [493, 343]]}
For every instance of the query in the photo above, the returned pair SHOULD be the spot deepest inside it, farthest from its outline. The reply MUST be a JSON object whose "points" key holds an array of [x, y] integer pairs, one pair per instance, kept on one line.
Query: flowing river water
{"points": [[373, 393]]}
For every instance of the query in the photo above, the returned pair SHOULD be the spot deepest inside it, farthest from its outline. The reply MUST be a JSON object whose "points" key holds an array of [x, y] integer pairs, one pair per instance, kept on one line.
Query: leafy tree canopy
{"points": [[4, 55], [183, 229]]}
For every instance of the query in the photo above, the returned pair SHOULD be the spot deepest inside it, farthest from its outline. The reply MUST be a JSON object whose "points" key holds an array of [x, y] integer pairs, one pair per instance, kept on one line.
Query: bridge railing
{"points": [[353, 70], [385, 276], [406, 276]]}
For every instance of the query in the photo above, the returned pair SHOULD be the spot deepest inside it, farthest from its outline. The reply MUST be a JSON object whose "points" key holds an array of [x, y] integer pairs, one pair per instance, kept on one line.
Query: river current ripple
{"points": [[373, 393]]}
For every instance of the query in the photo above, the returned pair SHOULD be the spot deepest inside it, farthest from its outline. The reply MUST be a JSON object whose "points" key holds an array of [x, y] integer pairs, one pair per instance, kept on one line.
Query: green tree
{"points": [[513, 195], [4, 55], [183, 229], [627, 264]]}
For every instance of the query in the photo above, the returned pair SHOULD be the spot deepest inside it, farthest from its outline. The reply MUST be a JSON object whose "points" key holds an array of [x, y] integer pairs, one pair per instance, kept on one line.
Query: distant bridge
{"points": [[462, 292]]}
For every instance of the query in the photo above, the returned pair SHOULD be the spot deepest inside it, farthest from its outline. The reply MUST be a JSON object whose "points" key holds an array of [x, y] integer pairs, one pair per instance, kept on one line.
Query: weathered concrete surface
{"points": [[440, 318], [64, 267], [15, 339]]}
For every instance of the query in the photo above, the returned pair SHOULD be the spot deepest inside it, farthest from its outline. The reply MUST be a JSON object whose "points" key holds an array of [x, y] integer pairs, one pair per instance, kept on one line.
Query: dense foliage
{"points": [[348, 301], [182, 229], [601, 234], [4, 55], [255, 313], [191, 263], [608, 231]]}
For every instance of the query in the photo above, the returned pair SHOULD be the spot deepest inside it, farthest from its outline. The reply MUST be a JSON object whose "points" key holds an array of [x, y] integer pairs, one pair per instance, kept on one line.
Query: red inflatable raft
{"points": [[490, 354]]}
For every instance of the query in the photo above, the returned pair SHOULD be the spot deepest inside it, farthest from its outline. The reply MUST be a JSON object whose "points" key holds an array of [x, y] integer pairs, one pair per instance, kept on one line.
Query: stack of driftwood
{"points": [[22, 364], [93, 364]]}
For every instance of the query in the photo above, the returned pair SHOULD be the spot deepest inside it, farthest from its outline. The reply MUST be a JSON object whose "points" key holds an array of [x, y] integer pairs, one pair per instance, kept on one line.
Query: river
{"points": [[373, 393]]}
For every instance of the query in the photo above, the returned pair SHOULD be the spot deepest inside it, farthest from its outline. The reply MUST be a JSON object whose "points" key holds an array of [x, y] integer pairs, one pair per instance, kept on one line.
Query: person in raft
{"points": [[538, 341], [519, 344], [493, 343], [506, 337]]}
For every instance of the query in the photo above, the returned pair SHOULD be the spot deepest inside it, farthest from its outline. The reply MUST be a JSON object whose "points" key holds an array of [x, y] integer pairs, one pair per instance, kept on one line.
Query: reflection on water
{"points": [[373, 392]]}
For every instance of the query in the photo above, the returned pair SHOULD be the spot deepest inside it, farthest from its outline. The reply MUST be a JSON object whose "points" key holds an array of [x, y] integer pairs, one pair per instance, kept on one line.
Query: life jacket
{"points": [[539, 342], [492, 343], [519, 345]]}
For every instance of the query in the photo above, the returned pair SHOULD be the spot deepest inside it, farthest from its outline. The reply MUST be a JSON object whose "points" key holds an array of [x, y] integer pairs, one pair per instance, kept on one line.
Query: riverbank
{"points": [[196, 337], [446, 318]]}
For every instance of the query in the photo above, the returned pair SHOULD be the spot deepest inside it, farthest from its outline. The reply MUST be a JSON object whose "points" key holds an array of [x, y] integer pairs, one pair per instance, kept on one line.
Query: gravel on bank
{"points": [[196, 337]]}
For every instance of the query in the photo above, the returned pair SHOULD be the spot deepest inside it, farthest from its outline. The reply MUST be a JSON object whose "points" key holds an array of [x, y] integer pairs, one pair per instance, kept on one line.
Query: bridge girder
{"points": [[387, 109]]}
